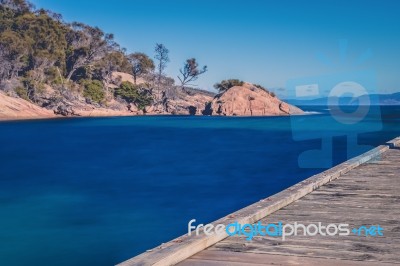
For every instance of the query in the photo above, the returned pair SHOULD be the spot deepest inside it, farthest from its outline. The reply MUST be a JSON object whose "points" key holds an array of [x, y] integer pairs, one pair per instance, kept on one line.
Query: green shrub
{"points": [[22, 93], [33, 83], [135, 94], [227, 84], [93, 90], [53, 76], [260, 87]]}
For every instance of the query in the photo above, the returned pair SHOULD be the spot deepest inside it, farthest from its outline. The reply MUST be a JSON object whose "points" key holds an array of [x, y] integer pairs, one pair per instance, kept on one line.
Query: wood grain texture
{"points": [[366, 195], [370, 184]]}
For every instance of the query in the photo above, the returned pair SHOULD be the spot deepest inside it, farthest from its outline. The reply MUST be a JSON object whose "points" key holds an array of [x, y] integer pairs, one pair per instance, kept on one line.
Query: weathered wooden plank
{"points": [[201, 262], [331, 215], [328, 253], [351, 241], [320, 247], [356, 188], [367, 203], [209, 258], [355, 244], [337, 196], [381, 244]]}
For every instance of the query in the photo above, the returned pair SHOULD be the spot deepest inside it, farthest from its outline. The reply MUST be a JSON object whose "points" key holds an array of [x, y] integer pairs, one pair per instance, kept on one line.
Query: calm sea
{"points": [[97, 191]]}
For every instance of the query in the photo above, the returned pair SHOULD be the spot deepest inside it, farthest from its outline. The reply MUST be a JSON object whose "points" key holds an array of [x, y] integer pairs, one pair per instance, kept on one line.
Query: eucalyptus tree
{"points": [[190, 71], [86, 45], [161, 55], [141, 64]]}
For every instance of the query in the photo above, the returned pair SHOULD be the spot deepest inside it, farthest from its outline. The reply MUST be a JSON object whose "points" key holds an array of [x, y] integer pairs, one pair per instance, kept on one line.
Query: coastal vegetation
{"points": [[265, 89], [136, 94], [50, 62], [93, 90], [190, 71], [141, 64], [161, 55], [227, 84], [74, 69]]}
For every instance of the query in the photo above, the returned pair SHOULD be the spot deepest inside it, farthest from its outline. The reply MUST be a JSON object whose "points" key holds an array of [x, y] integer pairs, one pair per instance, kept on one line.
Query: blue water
{"points": [[97, 191]]}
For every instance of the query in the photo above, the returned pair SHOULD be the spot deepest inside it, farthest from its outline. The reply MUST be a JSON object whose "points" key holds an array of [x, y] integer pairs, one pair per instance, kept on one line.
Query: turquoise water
{"points": [[97, 191]]}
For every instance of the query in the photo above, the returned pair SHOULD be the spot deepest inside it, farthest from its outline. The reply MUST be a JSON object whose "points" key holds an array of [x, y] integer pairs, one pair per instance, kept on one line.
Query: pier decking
{"points": [[364, 191]]}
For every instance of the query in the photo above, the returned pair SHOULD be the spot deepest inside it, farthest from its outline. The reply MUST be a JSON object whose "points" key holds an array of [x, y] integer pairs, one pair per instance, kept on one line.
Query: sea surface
{"points": [[97, 191]]}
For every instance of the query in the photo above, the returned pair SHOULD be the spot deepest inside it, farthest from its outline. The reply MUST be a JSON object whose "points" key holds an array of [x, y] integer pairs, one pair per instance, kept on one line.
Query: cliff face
{"points": [[248, 100]]}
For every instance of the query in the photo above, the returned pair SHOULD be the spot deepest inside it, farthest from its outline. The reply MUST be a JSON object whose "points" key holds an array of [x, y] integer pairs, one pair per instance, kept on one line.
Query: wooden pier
{"points": [[364, 191]]}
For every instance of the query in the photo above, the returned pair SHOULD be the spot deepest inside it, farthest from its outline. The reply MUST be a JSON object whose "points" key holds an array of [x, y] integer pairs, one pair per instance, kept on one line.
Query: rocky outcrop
{"points": [[188, 101], [249, 100], [171, 99], [64, 110], [79, 108], [17, 108]]}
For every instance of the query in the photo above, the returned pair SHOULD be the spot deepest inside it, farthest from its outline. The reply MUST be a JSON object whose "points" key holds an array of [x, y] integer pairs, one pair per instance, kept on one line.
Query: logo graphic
{"points": [[350, 98], [282, 230]]}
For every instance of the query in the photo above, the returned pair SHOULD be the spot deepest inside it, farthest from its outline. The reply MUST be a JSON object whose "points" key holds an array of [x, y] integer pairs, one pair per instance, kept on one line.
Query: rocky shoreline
{"points": [[244, 100]]}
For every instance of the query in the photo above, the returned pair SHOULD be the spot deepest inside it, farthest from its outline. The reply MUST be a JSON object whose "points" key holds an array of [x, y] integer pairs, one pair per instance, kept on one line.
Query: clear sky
{"points": [[265, 42]]}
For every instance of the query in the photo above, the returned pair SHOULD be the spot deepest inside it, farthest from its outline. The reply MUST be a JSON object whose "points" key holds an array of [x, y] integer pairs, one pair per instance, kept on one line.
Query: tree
{"points": [[37, 48], [190, 71], [13, 54], [141, 64], [86, 46], [111, 62], [31, 43], [227, 84], [134, 94], [45, 39], [6, 64], [93, 90], [20, 6], [162, 58]]}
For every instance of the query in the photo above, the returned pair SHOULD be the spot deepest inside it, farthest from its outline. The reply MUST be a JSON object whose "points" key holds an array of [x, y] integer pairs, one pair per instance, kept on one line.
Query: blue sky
{"points": [[265, 42]]}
